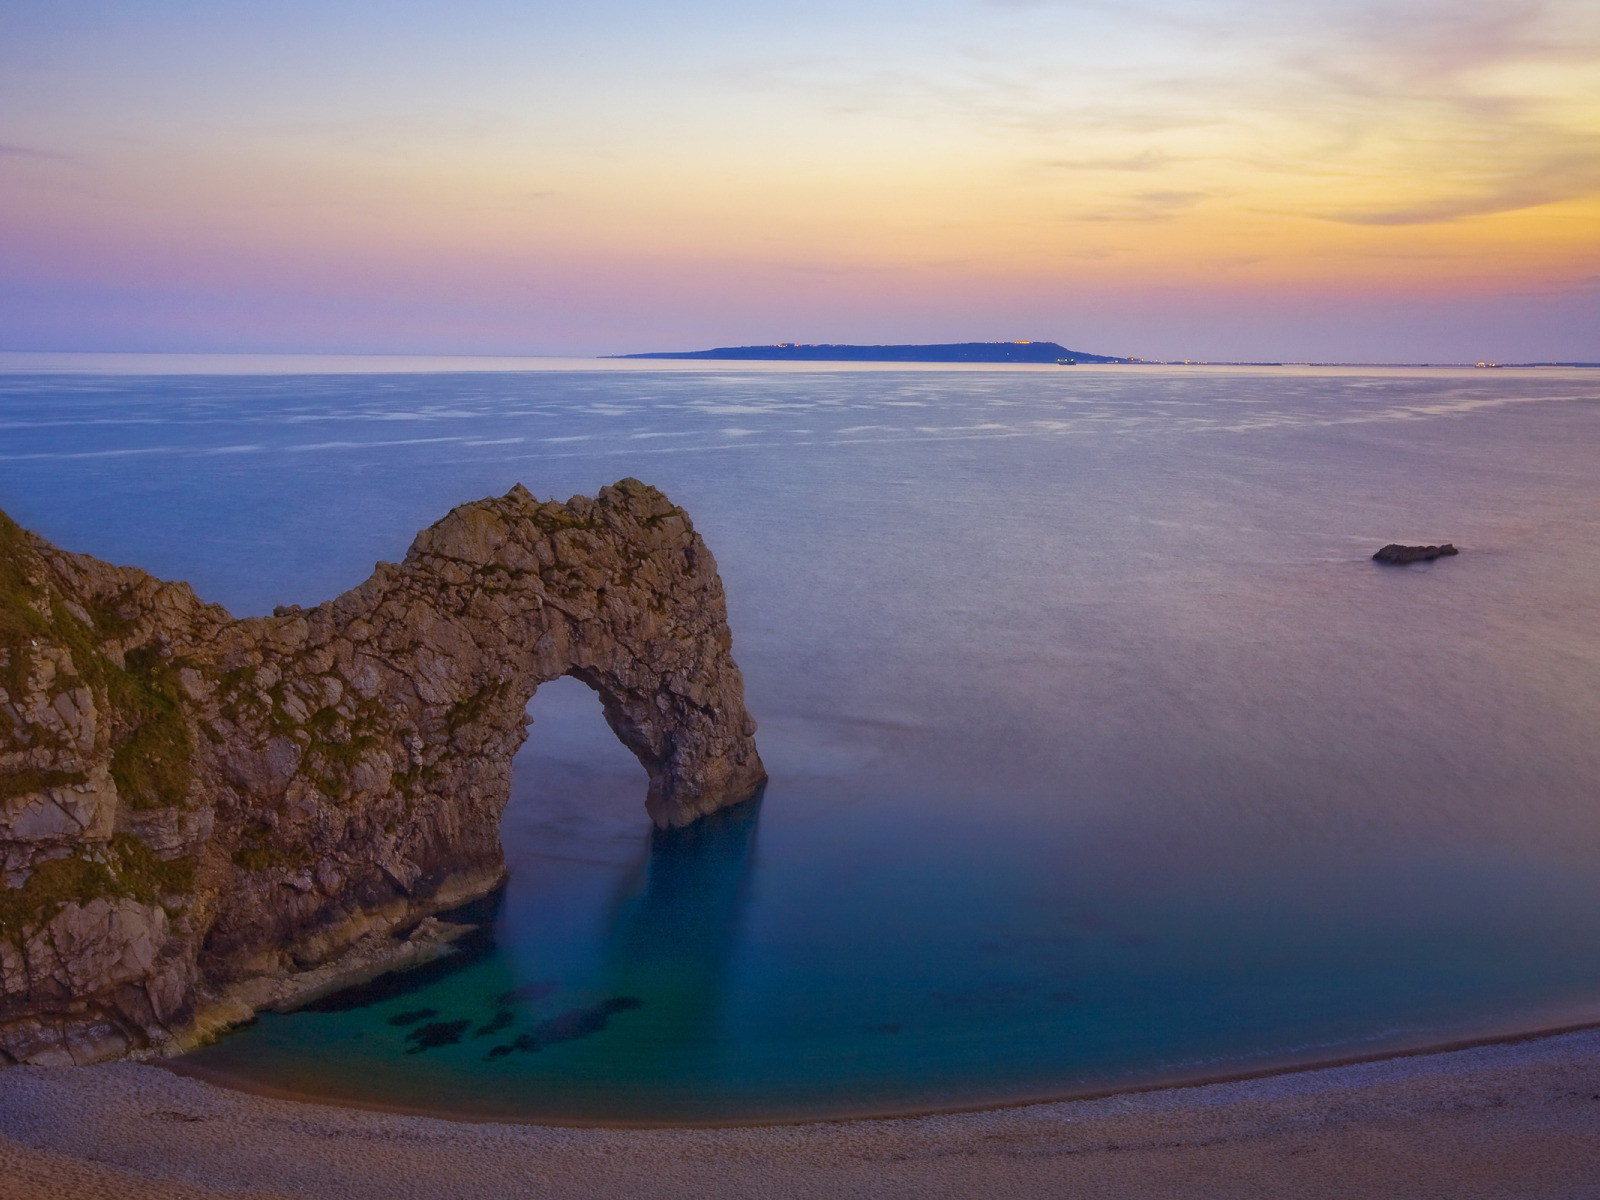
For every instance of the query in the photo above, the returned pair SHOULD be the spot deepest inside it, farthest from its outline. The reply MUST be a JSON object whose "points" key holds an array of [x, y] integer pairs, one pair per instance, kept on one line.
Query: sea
{"points": [[1102, 754]]}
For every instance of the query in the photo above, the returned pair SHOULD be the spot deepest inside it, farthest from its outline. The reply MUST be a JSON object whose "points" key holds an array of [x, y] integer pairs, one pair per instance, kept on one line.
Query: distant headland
{"points": [[1005, 352], [943, 352]]}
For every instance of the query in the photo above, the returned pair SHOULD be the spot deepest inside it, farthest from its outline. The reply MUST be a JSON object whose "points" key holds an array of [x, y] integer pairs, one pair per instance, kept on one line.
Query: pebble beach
{"points": [[1513, 1119]]}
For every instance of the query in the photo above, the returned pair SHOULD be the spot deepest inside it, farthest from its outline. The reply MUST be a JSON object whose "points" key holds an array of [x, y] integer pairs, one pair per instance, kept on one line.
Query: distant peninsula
{"points": [[943, 352]]}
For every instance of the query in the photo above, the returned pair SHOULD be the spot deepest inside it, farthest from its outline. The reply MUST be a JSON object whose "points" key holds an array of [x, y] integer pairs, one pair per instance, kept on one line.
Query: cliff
{"points": [[202, 816]]}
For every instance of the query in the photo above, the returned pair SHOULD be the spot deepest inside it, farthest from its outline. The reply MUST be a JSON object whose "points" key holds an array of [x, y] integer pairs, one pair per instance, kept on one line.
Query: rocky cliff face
{"points": [[195, 809]]}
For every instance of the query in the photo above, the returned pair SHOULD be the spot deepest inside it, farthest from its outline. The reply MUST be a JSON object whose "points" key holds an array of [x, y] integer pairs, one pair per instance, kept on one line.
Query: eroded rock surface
{"points": [[194, 809]]}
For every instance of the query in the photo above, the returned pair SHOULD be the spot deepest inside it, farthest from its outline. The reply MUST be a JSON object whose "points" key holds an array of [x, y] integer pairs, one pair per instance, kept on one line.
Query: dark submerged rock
{"points": [[413, 1016], [1399, 555], [436, 1034], [500, 1020]]}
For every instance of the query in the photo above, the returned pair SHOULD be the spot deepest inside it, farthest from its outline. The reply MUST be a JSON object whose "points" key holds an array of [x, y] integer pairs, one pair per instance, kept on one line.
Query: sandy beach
{"points": [[1518, 1119]]}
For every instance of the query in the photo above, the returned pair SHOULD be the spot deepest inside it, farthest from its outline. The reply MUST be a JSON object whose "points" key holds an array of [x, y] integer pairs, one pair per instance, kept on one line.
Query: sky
{"points": [[1298, 180]]}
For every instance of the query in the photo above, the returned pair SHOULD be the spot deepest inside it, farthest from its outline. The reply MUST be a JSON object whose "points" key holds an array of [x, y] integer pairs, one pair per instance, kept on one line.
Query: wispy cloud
{"points": [[1145, 160], [11, 151], [1148, 206], [1550, 183]]}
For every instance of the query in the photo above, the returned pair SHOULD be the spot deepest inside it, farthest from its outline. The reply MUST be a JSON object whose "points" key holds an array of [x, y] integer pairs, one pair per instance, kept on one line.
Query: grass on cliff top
{"points": [[17, 617], [131, 869], [152, 759], [20, 622]]}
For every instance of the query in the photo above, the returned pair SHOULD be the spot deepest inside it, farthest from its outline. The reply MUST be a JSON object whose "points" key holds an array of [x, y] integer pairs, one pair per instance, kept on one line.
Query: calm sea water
{"points": [[1101, 753]]}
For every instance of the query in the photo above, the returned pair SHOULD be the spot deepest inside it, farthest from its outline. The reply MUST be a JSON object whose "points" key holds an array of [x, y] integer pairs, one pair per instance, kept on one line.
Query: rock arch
{"points": [[197, 810]]}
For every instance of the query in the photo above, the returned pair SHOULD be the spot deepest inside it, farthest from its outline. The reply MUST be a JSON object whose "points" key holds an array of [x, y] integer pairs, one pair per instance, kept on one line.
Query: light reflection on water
{"points": [[1101, 754]]}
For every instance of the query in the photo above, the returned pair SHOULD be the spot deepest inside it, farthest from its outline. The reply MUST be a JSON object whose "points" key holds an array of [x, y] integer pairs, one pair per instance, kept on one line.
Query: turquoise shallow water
{"points": [[1101, 754]]}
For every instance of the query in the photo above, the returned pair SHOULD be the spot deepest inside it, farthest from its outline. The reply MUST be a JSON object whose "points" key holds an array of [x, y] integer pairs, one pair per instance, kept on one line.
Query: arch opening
{"points": [[573, 779], [601, 906]]}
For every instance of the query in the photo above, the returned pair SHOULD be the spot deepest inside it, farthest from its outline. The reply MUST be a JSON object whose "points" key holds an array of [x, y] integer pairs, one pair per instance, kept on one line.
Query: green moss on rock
{"points": [[259, 851], [29, 782], [468, 711], [337, 745], [153, 765], [145, 875], [52, 886], [129, 869]]}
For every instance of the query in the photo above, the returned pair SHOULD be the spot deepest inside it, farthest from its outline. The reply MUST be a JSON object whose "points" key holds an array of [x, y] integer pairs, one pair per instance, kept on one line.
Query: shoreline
{"points": [[177, 1065], [1511, 1118], [401, 937]]}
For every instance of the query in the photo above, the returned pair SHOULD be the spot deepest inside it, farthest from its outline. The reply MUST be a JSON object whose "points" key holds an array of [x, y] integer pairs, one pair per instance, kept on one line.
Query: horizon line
{"points": [[57, 361]]}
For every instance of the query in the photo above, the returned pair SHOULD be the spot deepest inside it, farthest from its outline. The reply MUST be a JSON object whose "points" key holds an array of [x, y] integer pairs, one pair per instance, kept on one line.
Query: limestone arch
{"points": [[335, 773]]}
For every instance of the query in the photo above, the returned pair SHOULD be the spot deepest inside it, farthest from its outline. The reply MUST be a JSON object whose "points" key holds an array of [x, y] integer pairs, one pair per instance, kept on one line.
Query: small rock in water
{"points": [[1400, 555]]}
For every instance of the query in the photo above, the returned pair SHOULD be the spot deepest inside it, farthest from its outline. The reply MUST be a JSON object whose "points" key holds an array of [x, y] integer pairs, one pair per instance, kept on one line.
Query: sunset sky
{"points": [[1371, 180]]}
